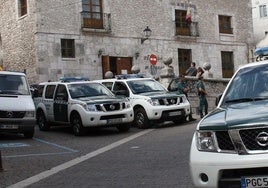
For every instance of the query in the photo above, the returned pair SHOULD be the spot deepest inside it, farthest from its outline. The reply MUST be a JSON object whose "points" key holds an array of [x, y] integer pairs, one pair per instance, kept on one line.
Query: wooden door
{"points": [[123, 64], [105, 65]]}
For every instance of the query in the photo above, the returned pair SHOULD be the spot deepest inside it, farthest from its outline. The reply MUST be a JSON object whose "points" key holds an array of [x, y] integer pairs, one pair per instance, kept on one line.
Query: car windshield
{"points": [[249, 84], [78, 90], [144, 86], [13, 85]]}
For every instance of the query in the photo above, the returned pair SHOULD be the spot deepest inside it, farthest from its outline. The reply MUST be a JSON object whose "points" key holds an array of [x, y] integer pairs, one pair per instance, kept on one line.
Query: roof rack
{"points": [[74, 79], [126, 76]]}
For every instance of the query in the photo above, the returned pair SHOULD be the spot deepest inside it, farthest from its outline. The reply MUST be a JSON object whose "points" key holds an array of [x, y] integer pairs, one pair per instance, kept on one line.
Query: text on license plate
{"points": [[9, 126], [253, 182], [114, 121], [176, 113]]}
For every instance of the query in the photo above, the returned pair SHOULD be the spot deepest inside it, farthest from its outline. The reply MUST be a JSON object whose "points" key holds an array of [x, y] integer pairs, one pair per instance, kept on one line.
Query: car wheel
{"points": [[42, 121], [28, 134], [123, 128], [77, 126], [140, 118]]}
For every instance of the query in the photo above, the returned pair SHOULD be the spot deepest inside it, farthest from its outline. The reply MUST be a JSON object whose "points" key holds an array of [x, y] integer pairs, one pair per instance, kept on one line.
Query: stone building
{"points": [[53, 38], [260, 19]]}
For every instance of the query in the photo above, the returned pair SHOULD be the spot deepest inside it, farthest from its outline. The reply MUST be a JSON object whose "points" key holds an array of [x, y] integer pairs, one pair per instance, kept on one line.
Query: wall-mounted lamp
{"points": [[147, 33], [100, 53]]}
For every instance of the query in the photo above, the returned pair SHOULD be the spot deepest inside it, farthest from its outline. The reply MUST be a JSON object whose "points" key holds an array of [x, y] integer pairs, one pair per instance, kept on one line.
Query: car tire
{"points": [[28, 134], [141, 120], [42, 121], [123, 128], [77, 125]]}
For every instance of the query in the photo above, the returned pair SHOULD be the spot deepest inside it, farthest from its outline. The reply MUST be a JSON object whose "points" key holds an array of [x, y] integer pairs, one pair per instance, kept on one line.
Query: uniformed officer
{"points": [[203, 104], [184, 89]]}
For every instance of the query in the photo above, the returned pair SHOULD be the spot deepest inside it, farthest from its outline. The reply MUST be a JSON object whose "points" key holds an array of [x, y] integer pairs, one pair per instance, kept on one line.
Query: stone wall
{"points": [[214, 87]]}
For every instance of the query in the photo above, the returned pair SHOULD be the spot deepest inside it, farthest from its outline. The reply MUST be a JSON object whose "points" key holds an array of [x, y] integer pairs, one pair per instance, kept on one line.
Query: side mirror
{"points": [[218, 98]]}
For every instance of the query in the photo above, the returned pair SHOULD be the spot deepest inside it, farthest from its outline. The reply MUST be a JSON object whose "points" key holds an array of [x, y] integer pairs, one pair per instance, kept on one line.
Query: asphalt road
{"points": [[156, 157]]}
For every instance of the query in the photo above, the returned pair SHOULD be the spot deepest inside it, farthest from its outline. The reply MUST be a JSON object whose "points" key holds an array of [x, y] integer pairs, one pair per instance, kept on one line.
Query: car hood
{"points": [[159, 95], [102, 99], [236, 115]]}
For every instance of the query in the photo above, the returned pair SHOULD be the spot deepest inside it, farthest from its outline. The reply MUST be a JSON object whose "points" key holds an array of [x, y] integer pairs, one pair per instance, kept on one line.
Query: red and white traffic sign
{"points": [[153, 59]]}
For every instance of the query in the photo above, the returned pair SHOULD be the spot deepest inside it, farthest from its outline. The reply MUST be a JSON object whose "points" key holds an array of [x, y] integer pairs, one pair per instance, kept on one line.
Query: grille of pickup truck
{"points": [[110, 107], [12, 114], [168, 101], [244, 141]]}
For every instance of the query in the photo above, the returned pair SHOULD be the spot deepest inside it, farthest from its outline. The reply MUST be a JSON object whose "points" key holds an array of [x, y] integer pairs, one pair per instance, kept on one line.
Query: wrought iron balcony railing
{"points": [[94, 20], [187, 29]]}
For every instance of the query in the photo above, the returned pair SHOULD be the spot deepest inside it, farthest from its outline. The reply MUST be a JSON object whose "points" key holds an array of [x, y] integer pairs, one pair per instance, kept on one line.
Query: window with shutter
{"points": [[92, 14]]}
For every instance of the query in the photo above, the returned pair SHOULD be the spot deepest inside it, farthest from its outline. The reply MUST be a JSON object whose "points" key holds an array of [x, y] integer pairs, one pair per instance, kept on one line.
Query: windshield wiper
{"points": [[260, 98], [246, 99], [240, 100]]}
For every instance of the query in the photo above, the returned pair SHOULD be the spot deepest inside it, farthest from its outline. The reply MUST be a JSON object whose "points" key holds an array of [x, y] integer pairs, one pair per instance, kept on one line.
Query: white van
{"points": [[17, 110]]}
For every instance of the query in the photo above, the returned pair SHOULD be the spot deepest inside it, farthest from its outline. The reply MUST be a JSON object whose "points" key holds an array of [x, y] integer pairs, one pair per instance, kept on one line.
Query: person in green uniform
{"points": [[184, 89], [203, 103]]}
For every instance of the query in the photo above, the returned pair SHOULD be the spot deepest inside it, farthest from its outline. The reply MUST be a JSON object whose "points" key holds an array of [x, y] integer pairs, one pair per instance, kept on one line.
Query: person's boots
{"points": [[191, 117], [201, 114]]}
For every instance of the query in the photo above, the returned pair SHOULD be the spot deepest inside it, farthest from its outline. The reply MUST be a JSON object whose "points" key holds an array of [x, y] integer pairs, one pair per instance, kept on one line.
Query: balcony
{"points": [[185, 29], [96, 21]]}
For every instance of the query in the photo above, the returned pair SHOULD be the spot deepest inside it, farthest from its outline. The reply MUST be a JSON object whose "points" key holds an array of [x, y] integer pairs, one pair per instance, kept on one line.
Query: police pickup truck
{"points": [[80, 104], [150, 100]]}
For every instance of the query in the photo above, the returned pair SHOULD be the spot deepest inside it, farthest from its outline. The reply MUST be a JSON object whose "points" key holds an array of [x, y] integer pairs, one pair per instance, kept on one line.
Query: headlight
{"points": [[29, 114], [127, 104], [206, 141], [90, 107], [154, 102]]}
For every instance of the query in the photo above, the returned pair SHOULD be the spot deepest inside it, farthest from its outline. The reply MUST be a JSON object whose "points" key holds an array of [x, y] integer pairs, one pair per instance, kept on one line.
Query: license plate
{"points": [[253, 182], [176, 113], [114, 121], [9, 126]]}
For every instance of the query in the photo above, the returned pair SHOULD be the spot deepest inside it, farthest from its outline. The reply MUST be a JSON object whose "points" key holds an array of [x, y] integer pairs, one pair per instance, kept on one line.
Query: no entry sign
{"points": [[153, 59]]}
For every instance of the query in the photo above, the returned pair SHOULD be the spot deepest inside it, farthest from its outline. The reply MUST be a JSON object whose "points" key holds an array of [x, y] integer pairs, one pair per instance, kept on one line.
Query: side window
{"points": [[50, 91], [109, 85], [40, 90], [61, 93], [121, 89]]}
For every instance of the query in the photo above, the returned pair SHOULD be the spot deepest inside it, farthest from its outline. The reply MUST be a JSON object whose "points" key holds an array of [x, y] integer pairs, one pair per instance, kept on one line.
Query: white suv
{"points": [[230, 144], [16, 104], [150, 100], [81, 104]]}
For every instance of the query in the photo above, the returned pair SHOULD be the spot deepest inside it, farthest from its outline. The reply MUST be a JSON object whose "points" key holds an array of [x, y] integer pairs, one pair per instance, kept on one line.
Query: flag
{"points": [[188, 15]]}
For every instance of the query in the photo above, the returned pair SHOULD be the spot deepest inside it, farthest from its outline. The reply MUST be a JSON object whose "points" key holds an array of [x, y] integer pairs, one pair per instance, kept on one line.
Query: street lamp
{"points": [[147, 33]]}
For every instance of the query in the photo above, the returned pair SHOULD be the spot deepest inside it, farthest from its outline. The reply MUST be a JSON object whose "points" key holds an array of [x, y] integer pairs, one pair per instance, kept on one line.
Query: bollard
{"points": [[1, 167]]}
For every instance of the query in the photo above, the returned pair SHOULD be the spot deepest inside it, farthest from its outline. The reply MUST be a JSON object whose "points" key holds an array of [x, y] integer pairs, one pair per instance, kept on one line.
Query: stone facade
{"points": [[32, 42]]}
